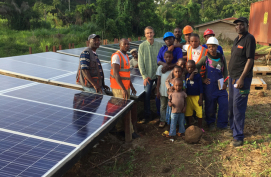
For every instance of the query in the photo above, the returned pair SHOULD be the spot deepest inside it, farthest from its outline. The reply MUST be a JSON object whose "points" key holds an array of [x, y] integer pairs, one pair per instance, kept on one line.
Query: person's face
{"points": [[168, 57], [94, 43], [178, 85], [177, 33], [241, 27], [149, 33], [169, 41], [187, 37], [194, 42], [181, 63], [206, 37], [212, 49], [134, 54], [124, 45], [177, 72], [190, 67]]}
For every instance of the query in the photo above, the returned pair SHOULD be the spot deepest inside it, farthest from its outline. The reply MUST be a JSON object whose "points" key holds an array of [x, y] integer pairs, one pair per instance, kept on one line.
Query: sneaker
{"points": [[236, 143], [162, 124], [212, 127]]}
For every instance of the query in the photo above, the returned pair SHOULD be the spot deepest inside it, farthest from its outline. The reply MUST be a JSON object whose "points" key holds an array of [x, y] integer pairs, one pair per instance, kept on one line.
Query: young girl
{"points": [[216, 68], [176, 100]]}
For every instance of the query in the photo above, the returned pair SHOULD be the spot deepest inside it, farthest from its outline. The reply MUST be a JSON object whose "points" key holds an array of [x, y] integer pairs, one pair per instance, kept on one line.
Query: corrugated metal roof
{"points": [[216, 21]]}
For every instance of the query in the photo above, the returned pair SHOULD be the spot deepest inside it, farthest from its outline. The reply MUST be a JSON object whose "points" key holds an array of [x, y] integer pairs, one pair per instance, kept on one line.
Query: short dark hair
{"points": [[178, 28], [149, 27], [194, 35], [191, 62], [177, 67], [168, 52], [178, 79], [181, 59]]}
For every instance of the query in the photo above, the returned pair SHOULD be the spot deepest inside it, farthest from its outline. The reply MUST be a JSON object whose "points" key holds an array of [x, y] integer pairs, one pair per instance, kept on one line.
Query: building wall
{"points": [[227, 30]]}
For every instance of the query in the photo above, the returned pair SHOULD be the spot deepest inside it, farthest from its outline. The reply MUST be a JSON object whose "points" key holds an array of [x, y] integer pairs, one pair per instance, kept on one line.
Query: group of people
{"points": [[185, 73]]}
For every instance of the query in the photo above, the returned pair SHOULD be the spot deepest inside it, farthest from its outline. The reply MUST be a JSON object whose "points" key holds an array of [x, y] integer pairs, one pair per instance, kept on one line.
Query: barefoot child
{"points": [[194, 94], [161, 88], [176, 100]]}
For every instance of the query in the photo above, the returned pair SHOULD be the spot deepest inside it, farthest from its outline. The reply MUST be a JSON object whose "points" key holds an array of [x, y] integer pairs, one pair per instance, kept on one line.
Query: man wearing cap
{"points": [[147, 64], [177, 52], [134, 60], [240, 73], [90, 72], [210, 33]]}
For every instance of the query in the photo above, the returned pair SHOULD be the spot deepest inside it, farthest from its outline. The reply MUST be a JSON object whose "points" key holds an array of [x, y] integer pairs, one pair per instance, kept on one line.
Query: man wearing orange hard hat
{"points": [[210, 33], [187, 31]]}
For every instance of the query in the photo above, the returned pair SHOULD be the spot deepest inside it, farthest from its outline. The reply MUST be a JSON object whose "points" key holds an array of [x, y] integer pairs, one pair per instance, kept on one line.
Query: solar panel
{"points": [[43, 126], [10, 82]]}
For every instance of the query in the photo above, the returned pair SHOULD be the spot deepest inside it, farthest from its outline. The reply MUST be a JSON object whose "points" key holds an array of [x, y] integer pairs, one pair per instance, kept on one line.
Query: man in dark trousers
{"points": [[240, 77]]}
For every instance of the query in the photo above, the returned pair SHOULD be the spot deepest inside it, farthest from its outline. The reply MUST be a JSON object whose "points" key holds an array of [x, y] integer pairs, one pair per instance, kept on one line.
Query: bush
{"points": [[40, 24]]}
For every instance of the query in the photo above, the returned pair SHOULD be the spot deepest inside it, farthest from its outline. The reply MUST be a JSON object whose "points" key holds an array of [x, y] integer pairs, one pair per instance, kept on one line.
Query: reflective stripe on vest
{"points": [[124, 72], [189, 53]]}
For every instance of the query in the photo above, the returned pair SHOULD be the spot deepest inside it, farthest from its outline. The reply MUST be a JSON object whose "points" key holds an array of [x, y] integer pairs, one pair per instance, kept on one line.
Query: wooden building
{"points": [[224, 27]]}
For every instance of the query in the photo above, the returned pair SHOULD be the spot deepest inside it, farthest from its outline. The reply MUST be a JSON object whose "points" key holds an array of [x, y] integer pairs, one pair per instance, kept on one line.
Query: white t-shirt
{"points": [[116, 59], [185, 47], [195, 52], [163, 88]]}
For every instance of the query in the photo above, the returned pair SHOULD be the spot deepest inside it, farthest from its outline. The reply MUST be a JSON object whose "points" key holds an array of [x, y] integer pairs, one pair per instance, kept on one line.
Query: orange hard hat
{"points": [[187, 29]]}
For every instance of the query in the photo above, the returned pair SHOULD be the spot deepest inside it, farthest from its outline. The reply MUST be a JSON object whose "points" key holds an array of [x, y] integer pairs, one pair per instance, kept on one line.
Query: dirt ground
{"points": [[155, 155]]}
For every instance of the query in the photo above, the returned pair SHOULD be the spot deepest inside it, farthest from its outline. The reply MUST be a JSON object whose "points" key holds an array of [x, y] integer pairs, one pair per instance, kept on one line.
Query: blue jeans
{"points": [[237, 108], [147, 103], [176, 118]]}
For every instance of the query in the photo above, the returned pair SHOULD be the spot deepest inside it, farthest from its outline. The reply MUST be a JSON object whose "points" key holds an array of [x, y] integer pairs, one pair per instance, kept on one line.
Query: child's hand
{"points": [[200, 102], [191, 77], [169, 104], [224, 87], [158, 95], [206, 81], [171, 89]]}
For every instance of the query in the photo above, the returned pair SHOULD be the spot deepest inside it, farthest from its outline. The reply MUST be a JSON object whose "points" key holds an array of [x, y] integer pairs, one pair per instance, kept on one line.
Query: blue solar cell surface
{"points": [[28, 157], [10, 82]]}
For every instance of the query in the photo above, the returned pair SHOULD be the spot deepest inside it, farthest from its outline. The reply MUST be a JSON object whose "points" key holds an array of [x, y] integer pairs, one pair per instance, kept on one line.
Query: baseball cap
{"points": [[133, 50], [241, 19], [92, 36]]}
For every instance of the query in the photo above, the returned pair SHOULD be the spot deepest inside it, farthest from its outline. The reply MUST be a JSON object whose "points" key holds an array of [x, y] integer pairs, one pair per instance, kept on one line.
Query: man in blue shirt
{"points": [[209, 33], [177, 52]]}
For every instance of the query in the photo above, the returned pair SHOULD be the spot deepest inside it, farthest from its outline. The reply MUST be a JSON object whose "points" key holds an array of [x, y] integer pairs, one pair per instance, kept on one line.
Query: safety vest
{"points": [[124, 72], [203, 52]]}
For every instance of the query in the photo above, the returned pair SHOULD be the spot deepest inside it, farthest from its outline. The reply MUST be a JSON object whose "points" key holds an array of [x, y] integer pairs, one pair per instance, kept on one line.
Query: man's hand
{"points": [[125, 94], [165, 68], [240, 83], [224, 87], [171, 48], [158, 95], [106, 88], [136, 66], [169, 104], [206, 81], [200, 102], [171, 89], [133, 90], [184, 109], [98, 88], [191, 77], [146, 81]]}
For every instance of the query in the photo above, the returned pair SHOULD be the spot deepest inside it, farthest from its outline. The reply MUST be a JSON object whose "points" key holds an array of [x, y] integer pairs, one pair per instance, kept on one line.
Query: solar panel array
{"points": [[104, 51], [42, 127]]}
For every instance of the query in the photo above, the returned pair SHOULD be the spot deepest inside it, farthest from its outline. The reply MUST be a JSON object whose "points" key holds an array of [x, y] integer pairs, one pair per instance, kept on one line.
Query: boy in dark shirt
{"points": [[194, 93]]}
